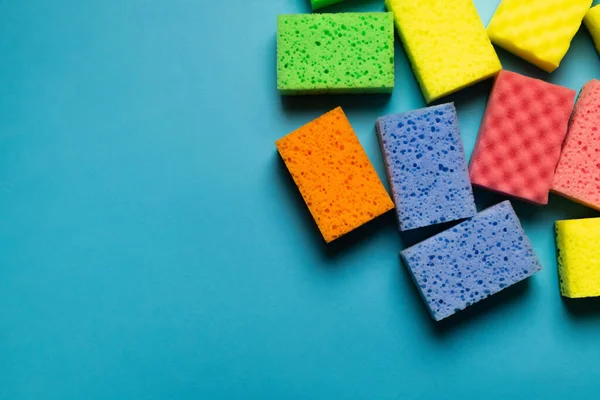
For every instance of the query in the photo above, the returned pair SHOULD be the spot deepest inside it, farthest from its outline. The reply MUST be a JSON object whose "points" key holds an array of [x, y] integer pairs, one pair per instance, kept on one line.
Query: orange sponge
{"points": [[334, 175]]}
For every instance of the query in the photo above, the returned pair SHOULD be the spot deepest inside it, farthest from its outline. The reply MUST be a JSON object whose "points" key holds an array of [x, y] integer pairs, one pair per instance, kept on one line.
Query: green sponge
{"points": [[316, 4], [335, 53]]}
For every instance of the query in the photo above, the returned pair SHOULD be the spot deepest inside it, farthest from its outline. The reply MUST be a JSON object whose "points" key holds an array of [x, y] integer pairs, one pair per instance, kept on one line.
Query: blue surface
{"points": [[153, 246]]}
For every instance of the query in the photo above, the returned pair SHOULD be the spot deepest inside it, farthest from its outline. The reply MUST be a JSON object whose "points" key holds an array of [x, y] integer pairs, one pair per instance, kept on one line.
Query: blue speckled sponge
{"points": [[426, 166], [471, 261]]}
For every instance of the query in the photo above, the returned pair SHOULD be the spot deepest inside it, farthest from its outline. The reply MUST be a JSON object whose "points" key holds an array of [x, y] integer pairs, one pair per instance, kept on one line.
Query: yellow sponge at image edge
{"points": [[578, 244], [446, 43], [592, 23], [539, 31]]}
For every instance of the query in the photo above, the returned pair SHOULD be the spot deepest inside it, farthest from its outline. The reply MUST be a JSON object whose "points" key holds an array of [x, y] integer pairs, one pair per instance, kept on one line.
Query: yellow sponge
{"points": [[539, 31], [578, 243], [446, 43], [592, 22]]}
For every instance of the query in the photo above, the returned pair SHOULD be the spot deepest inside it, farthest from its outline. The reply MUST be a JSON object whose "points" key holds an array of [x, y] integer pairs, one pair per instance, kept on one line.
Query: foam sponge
{"points": [[446, 43], [578, 243], [471, 261], [426, 166], [578, 173], [521, 136], [539, 31], [334, 175], [335, 53], [317, 4], [592, 22]]}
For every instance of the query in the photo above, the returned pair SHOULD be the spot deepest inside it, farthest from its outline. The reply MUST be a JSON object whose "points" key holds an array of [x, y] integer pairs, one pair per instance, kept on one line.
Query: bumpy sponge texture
{"points": [[592, 22], [335, 177], [521, 135], [335, 53], [426, 166], [578, 243], [446, 43], [471, 261], [578, 173], [318, 4], [539, 31]]}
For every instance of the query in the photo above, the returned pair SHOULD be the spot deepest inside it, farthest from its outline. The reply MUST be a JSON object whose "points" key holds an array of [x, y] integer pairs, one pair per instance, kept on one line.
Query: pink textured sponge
{"points": [[521, 135], [578, 172]]}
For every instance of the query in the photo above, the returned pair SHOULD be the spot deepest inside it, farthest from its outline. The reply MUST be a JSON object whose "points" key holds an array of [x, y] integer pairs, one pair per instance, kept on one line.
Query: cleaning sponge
{"points": [[578, 243], [471, 261], [446, 43], [317, 4], [335, 53], [521, 136], [334, 175], [539, 31], [578, 173], [592, 22], [426, 166]]}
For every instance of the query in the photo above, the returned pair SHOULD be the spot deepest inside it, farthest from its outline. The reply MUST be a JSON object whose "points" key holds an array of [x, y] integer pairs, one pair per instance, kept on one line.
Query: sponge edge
{"points": [[539, 31], [579, 257], [592, 22], [318, 4], [334, 175], [446, 43]]}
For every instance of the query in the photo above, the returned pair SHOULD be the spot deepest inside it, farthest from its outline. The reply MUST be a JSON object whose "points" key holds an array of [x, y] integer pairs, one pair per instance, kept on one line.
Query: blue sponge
{"points": [[471, 261], [426, 166]]}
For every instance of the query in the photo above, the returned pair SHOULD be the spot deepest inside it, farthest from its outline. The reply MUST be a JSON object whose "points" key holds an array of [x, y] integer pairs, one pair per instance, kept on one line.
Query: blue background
{"points": [[153, 246]]}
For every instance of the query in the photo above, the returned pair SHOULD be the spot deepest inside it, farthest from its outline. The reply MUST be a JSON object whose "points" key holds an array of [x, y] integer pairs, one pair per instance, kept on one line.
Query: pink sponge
{"points": [[578, 172], [521, 136]]}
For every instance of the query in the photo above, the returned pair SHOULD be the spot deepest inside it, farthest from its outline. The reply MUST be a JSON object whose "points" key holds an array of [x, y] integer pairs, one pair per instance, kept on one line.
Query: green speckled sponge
{"points": [[335, 53], [316, 4]]}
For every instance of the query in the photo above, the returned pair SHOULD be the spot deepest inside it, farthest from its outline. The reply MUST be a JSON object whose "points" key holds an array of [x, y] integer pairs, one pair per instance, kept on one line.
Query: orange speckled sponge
{"points": [[336, 179]]}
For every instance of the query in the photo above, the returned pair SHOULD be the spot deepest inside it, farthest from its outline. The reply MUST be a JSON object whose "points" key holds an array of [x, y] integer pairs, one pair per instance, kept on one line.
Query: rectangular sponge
{"points": [[446, 43], [579, 257], [471, 261], [539, 31], [318, 4], [336, 179], [592, 22], [426, 166], [577, 176], [335, 53]]}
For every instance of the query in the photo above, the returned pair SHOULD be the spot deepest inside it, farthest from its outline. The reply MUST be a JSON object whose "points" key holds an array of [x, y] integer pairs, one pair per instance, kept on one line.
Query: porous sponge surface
{"points": [[592, 22], [336, 179], [446, 43], [426, 166], [317, 4], [521, 135], [578, 243], [539, 31], [335, 53], [578, 173], [471, 261]]}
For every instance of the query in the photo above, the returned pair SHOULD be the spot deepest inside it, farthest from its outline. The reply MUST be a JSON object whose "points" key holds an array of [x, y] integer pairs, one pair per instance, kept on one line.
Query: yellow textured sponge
{"points": [[446, 43], [539, 31], [592, 22], [578, 243]]}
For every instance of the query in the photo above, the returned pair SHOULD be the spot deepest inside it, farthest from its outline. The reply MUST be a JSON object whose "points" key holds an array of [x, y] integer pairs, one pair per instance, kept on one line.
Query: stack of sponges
{"points": [[578, 243], [446, 43], [578, 173], [335, 177], [539, 31], [592, 22], [471, 261], [521, 135], [335, 53], [426, 166]]}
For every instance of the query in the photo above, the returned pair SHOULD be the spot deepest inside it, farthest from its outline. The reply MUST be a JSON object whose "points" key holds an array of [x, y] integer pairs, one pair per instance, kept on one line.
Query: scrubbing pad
{"points": [[521, 136], [539, 31], [578, 173], [317, 4], [471, 261], [578, 243], [335, 53], [334, 175], [446, 43], [426, 166], [592, 22]]}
